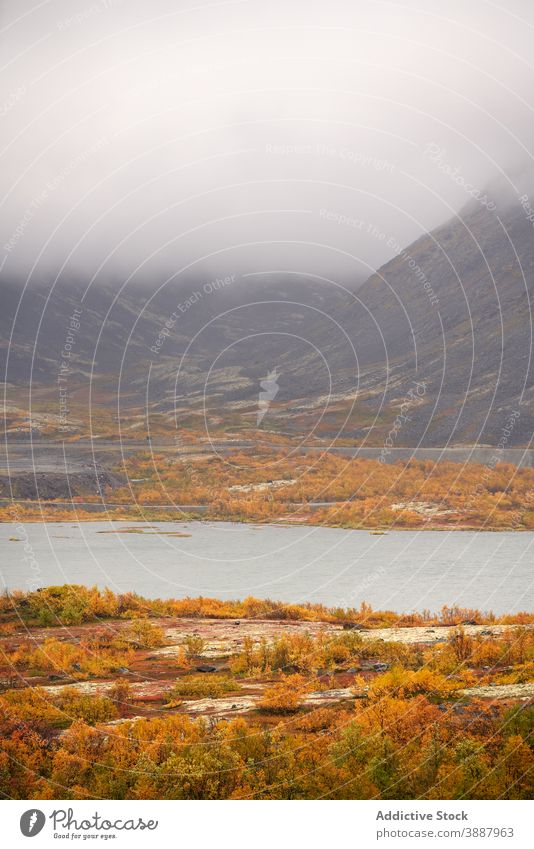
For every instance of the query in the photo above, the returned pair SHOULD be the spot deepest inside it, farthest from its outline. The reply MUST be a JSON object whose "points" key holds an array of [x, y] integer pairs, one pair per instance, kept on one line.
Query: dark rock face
{"points": [[445, 328], [50, 485]]}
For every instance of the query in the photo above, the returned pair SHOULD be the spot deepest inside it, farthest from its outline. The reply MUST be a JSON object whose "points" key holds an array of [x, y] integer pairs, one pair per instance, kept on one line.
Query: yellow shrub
{"points": [[406, 683], [285, 696]]}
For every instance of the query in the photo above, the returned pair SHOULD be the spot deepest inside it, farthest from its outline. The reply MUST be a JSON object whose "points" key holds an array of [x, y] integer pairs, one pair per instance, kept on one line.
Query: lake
{"points": [[402, 571]]}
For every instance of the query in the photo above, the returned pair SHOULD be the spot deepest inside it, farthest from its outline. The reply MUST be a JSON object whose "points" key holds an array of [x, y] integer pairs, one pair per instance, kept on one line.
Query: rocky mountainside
{"points": [[453, 313], [433, 349]]}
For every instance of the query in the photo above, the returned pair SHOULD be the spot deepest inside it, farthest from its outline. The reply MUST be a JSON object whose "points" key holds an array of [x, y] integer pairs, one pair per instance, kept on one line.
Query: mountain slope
{"points": [[433, 349], [453, 311]]}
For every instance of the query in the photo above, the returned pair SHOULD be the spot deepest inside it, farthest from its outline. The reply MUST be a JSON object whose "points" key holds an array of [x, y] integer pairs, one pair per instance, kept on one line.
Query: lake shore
{"points": [[47, 512]]}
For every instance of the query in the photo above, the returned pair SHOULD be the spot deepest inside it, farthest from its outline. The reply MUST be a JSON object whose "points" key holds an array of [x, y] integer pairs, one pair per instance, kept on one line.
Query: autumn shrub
{"points": [[386, 748], [486, 652], [194, 645], [406, 683], [91, 708], [120, 693], [73, 604], [66, 605], [519, 644], [31, 704], [397, 718], [523, 673], [336, 652], [494, 650], [60, 656], [36, 705], [461, 645], [518, 719], [284, 696], [203, 686], [144, 634], [363, 490], [306, 653], [102, 639], [287, 653]]}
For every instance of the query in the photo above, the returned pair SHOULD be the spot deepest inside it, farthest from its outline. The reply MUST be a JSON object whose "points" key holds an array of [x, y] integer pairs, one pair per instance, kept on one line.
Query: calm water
{"points": [[403, 571]]}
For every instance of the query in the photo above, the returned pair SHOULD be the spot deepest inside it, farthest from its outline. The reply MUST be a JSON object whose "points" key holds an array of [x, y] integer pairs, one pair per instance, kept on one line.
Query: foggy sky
{"points": [[171, 138]]}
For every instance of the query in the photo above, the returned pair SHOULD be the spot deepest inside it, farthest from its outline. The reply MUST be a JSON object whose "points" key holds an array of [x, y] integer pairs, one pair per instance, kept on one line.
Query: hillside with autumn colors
{"points": [[105, 696], [316, 488]]}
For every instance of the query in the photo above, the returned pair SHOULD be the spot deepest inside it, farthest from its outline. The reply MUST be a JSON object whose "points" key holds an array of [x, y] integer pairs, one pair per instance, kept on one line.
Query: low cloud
{"points": [[168, 140]]}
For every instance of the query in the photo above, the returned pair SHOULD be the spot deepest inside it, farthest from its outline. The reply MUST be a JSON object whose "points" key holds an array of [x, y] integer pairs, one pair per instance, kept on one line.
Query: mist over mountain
{"points": [[150, 142], [333, 199], [440, 336]]}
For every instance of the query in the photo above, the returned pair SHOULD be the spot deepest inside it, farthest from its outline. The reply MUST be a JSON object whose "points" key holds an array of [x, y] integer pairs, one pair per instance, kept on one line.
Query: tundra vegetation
{"points": [[117, 696], [271, 485]]}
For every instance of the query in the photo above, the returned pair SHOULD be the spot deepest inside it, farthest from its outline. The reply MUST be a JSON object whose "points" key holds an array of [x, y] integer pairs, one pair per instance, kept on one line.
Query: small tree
{"points": [[461, 644], [144, 634], [194, 645]]}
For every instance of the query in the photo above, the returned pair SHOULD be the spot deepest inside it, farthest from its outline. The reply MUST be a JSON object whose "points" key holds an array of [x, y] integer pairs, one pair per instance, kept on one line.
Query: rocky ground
{"points": [[154, 671]]}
